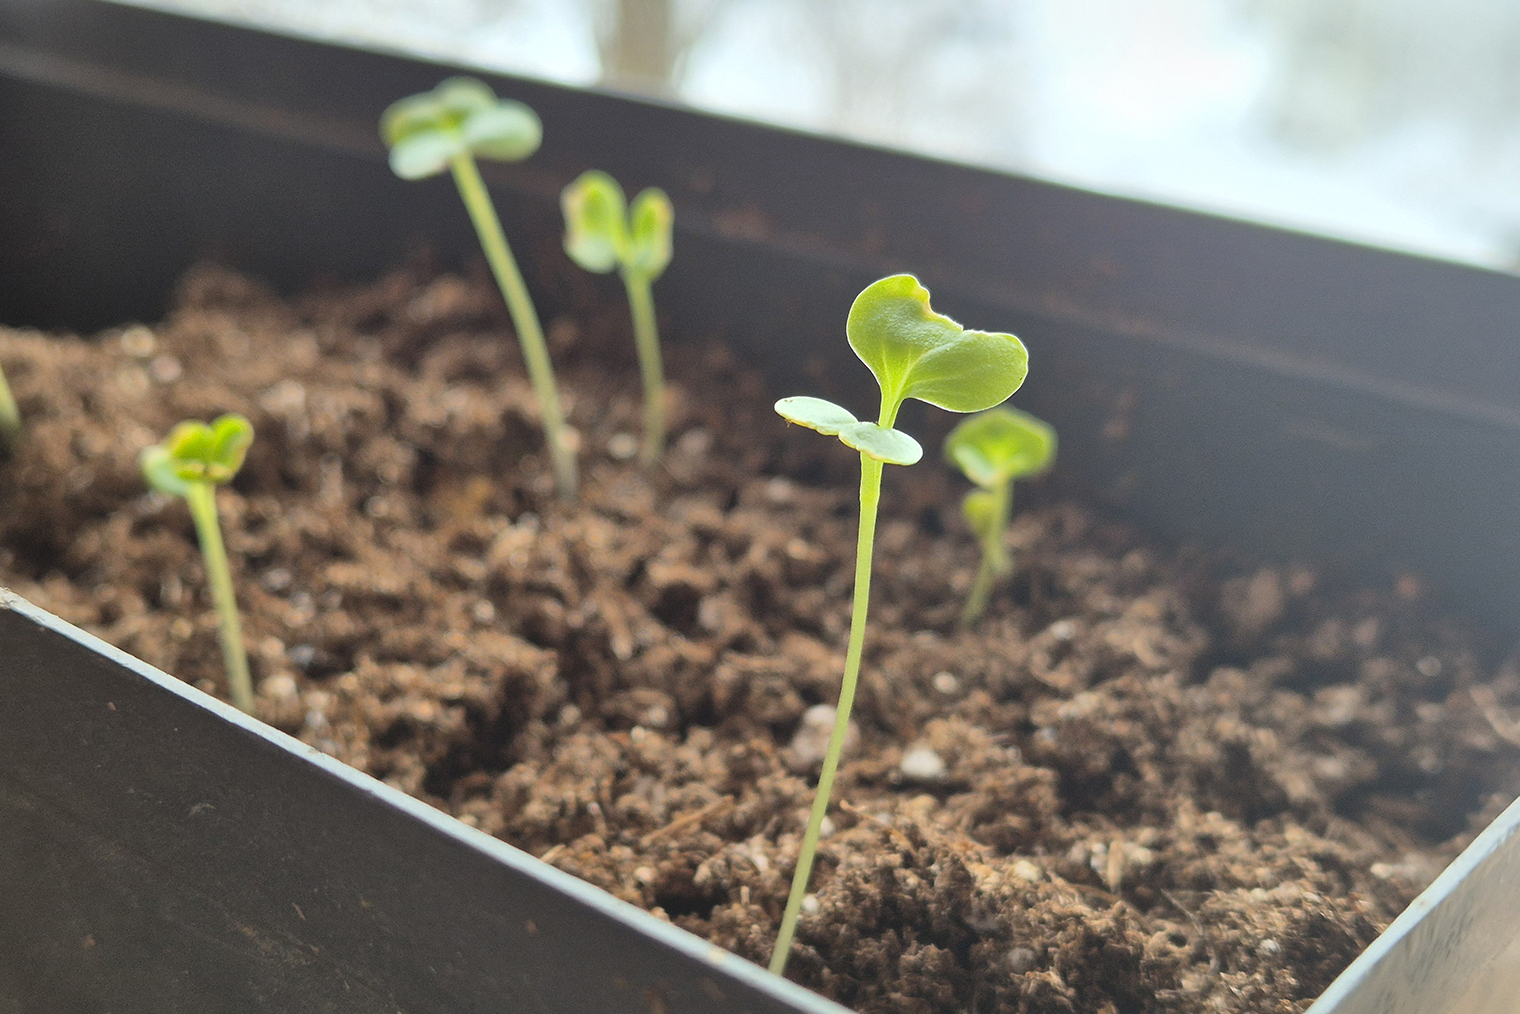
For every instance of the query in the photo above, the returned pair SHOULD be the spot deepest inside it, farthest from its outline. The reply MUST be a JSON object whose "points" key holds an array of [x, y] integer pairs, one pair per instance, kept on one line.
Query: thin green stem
{"points": [[647, 338], [524, 318], [202, 500], [870, 497], [981, 591], [995, 563], [10, 415]]}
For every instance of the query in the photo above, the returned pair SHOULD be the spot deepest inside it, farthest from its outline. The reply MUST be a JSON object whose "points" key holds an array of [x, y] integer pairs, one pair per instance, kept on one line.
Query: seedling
{"points": [[602, 233], [10, 415], [913, 353], [993, 449], [191, 462], [445, 129]]}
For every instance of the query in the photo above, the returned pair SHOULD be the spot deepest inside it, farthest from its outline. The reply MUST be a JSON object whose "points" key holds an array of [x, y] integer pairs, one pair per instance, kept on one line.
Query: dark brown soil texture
{"points": [[1150, 781]]}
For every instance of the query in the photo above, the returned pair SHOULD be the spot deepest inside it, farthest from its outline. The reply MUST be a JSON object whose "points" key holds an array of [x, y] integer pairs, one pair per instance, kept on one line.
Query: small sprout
{"points": [[445, 129], [993, 449], [191, 462], [913, 353], [10, 415], [603, 233]]}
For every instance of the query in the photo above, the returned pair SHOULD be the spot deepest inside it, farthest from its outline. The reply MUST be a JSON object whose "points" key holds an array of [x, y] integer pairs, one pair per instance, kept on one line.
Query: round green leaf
{"points": [[917, 353], [460, 96], [649, 226], [815, 413], [158, 468], [506, 131], [402, 117], [882, 443], [1002, 444], [424, 153], [596, 230]]}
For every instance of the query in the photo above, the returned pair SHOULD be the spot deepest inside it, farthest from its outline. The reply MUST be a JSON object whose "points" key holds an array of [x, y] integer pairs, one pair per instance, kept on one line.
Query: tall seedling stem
{"points": [[530, 333], [913, 353], [651, 370], [601, 233], [191, 462], [995, 562], [446, 128]]}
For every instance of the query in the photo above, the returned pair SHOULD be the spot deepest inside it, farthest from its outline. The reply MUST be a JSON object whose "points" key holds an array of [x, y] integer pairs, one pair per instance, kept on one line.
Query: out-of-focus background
{"points": [[1390, 122]]}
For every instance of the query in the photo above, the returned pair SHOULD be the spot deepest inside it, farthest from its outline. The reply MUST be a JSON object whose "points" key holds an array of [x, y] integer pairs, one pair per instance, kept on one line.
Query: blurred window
{"points": [[1392, 122]]}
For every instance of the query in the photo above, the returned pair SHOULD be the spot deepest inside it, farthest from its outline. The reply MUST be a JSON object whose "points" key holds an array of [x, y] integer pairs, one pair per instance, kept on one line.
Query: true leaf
{"points": [[917, 353]]}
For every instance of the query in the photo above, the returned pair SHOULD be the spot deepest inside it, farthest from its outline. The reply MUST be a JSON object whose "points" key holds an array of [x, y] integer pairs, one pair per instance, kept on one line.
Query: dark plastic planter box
{"points": [[1212, 380]]}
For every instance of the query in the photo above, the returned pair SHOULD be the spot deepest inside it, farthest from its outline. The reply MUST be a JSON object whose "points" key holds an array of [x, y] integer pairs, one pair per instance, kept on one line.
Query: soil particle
{"points": [[1149, 781]]}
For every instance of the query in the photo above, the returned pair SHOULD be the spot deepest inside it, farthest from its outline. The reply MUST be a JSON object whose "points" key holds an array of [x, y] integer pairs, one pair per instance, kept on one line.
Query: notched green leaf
{"points": [[650, 222], [917, 353], [195, 452], [460, 115], [596, 234], [816, 414], [1000, 445], [603, 232], [882, 443]]}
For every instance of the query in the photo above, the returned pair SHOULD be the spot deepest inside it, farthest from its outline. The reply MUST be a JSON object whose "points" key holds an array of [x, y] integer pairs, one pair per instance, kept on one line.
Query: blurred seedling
{"points": [[913, 353], [191, 462], [10, 415], [603, 232], [993, 449], [447, 128]]}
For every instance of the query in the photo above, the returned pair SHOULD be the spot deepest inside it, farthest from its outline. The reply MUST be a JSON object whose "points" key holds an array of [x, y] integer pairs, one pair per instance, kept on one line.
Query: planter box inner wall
{"points": [[1211, 380]]}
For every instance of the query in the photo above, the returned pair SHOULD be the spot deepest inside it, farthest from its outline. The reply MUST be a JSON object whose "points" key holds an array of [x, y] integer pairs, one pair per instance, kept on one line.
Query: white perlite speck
{"points": [[810, 743], [622, 446], [922, 764]]}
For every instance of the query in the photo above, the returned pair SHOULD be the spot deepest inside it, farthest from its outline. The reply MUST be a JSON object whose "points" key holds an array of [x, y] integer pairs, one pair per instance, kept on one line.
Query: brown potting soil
{"points": [[1150, 781]]}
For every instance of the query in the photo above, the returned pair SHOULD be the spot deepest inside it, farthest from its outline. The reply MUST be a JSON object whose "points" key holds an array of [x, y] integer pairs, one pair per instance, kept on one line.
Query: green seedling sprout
{"points": [[914, 353], [10, 415], [601, 233], [993, 449], [191, 462], [445, 129]]}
